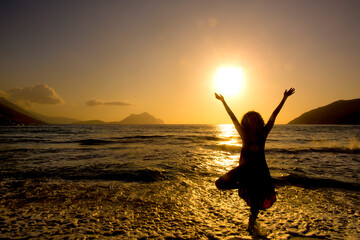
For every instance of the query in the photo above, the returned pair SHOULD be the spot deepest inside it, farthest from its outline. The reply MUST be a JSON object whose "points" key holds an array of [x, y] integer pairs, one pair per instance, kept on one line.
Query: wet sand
{"points": [[113, 210]]}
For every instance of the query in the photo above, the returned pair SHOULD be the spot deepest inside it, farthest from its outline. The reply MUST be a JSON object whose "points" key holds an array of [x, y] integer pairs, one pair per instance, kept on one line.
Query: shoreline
{"points": [[108, 210]]}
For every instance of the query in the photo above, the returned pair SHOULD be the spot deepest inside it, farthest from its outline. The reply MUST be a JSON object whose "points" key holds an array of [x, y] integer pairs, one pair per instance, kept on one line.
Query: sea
{"points": [[157, 182]]}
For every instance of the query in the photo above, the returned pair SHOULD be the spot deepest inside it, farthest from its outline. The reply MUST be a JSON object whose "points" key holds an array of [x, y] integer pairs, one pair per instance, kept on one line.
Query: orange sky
{"points": [[161, 56]]}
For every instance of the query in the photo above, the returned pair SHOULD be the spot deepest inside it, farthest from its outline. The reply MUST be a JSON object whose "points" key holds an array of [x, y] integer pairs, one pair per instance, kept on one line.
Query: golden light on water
{"points": [[229, 81], [228, 132], [231, 141]]}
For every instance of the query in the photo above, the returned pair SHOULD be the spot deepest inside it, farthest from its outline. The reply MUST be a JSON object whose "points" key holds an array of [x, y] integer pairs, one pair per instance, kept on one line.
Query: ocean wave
{"points": [[140, 175], [228, 148], [311, 182], [164, 139], [311, 150], [13, 140], [93, 142], [236, 149], [121, 140], [128, 139], [143, 137]]}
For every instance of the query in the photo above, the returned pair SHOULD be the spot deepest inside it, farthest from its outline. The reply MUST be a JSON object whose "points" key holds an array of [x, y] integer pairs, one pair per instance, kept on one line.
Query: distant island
{"points": [[339, 112], [11, 114], [143, 118]]}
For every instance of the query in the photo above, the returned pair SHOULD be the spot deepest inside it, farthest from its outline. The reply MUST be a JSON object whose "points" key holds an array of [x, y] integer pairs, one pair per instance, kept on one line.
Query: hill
{"points": [[53, 120], [339, 112], [34, 115], [11, 114], [143, 118]]}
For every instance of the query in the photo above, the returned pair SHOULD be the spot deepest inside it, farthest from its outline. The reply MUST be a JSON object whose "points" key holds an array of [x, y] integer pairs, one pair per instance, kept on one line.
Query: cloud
{"points": [[93, 103], [40, 93]]}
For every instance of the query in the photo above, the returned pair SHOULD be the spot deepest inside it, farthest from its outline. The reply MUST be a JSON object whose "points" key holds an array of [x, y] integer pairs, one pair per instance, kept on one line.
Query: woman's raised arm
{"points": [[231, 114], [271, 121]]}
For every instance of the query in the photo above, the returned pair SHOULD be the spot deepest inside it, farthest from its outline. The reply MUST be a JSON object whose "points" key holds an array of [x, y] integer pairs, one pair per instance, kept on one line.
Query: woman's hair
{"points": [[252, 122]]}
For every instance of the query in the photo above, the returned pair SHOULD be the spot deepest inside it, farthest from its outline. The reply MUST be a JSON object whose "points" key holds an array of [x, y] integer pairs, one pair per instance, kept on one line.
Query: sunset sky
{"points": [[107, 59]]}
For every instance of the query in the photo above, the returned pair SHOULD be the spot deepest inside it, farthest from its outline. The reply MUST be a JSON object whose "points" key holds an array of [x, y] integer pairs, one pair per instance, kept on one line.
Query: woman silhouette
{"points": [[252, 176]]}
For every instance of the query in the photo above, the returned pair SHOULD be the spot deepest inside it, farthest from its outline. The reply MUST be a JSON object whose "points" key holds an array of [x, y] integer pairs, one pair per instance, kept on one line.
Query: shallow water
{"points": [[127, 182]]}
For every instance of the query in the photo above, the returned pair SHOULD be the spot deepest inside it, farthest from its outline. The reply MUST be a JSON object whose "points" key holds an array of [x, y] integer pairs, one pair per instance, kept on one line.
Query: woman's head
{"points": [[252, 121]]}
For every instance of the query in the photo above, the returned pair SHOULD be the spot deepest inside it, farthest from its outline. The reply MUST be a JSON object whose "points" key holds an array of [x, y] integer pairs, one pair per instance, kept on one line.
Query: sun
{"points": [[229, 80]]}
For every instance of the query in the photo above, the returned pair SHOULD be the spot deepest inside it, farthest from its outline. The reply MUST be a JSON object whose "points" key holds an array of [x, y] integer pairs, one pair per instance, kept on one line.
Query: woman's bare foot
{"points": [[255, 230]]}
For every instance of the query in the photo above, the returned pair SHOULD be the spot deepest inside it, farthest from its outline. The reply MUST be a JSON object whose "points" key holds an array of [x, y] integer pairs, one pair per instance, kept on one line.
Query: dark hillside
{"points": [[339, 112], [11, 114]]}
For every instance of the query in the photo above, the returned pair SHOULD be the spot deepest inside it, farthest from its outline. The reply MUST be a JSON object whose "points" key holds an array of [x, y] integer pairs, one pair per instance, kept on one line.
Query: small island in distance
{"points": [[12, 114], [339, 112], [143, 118]]}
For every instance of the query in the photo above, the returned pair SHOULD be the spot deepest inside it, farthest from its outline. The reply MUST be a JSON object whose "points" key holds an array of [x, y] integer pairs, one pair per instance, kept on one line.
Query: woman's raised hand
{"points": [[289, 92], [220, 97]]}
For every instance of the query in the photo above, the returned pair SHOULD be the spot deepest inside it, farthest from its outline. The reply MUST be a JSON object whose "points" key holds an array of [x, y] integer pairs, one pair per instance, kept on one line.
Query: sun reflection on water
{"points": [[229, 146], [229, 134]]}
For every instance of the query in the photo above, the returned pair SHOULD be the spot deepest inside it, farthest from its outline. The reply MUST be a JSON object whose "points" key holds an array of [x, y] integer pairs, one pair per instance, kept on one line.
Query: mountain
{"points": [[143, 118], [11, 114], [53, 120], [34, 115], [339, 112]]}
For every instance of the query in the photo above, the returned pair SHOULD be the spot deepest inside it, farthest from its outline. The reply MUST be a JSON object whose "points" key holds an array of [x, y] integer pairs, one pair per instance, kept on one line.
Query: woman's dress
{"points": [[252, 177]]}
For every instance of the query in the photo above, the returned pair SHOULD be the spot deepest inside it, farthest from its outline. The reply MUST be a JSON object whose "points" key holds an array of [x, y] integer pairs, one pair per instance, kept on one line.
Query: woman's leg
{"points": [[254, 227], [229, 180], [253, 215]]}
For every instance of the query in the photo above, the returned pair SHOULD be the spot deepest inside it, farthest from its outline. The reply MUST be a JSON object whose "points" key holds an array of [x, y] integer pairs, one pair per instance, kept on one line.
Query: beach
{"points": [[158, 183], [124, 211]]}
